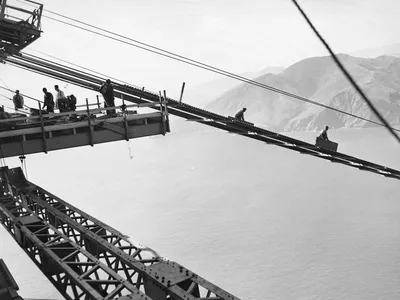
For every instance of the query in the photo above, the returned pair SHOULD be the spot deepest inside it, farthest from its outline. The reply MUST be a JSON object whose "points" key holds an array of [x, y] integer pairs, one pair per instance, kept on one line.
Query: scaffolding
{"points": [[19, 26]]}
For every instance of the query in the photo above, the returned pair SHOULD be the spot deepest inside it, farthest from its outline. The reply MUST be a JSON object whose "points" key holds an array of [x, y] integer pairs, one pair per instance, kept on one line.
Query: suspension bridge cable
{"points": [[346, 73], [10, 90], [292, 95], [3, 82], [335, 109], [8, 98], [145, 44], [40, 73], [75, 65], [209, 68]]}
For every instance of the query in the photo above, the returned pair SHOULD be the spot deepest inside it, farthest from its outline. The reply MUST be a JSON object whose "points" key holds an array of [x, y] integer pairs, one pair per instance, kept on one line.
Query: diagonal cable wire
{"points": [[3, 82], [346, 73], [7, 89], [78, 66], [205, 66], [261, 85]]}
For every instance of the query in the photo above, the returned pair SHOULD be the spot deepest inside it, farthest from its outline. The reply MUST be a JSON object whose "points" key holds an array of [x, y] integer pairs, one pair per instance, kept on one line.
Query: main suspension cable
{"points": [[10, 90], [207, 67]]}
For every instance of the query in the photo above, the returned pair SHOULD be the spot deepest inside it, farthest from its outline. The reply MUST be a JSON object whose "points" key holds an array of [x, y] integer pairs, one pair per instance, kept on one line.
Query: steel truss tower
{"points": [[19, 27], [85, 258]]}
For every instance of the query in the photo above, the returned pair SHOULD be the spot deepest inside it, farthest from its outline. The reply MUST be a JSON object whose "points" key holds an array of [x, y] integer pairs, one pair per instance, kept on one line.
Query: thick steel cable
{"points": [[10, 90], [346, 73], [210, 68]]}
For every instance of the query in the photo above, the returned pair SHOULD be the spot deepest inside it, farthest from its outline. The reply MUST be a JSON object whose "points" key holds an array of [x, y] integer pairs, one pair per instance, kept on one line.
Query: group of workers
{"points": [[67, 103], [322, 135], [62, 103]]}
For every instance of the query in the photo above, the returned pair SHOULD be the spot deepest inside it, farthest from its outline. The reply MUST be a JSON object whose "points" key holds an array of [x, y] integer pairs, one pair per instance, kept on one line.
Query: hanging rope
{"points": [[22, 159], [129, 149]]}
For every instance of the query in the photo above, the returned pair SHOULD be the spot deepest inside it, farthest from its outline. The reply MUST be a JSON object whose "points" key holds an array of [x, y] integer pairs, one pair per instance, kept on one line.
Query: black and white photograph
{"points": [[199, 150]]}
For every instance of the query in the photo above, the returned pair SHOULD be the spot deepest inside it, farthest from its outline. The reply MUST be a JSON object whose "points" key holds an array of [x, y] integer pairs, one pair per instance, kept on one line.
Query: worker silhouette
{"points": [[3, 115], [18, 100], [107, 91], [324, 134], [240, 115], [60, 100], [48, 101]]}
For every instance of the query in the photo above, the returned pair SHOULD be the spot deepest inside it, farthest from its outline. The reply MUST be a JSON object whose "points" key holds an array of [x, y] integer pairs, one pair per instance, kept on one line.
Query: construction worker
{"points": [[18, 100], [60, 99], [107, 91], [72, 102], [48, 101], [240, 114], [3, 115], [324, 134]]}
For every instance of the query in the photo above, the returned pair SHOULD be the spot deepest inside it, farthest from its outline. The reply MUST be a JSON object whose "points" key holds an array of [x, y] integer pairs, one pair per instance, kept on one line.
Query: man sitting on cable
{"points": [[324, 134], [240, 114]]}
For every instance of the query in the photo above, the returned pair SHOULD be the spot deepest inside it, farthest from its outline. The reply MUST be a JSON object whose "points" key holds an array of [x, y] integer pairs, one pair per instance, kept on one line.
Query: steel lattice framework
{"points": [[85, 258], [18, 27]]}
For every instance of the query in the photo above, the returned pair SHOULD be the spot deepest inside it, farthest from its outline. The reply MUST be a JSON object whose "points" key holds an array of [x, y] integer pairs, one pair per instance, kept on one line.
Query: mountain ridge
{"points": [[203, 94], [319, 79]]}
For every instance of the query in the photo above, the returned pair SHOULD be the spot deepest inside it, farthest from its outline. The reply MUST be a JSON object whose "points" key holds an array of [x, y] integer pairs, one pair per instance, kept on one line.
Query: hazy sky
{"points": [[234, 35]]}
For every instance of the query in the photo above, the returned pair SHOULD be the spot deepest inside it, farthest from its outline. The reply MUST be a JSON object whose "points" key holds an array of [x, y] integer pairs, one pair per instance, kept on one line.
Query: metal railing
{"points": [[20, 14]]}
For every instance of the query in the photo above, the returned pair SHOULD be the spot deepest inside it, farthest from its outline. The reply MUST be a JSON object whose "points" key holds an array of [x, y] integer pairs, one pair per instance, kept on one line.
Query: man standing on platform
{"points": [[18, 100], [60, 99], [48, 101], [107, 91]]}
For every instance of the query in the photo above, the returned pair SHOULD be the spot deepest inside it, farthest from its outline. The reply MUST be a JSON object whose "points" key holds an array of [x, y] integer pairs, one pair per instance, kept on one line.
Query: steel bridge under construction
{"points": [[81, 256], [141, 96]]}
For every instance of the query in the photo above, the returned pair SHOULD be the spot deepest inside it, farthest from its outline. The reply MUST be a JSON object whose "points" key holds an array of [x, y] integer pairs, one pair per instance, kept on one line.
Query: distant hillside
{"points": [[203, 94], [319, 79], [392, 50]]}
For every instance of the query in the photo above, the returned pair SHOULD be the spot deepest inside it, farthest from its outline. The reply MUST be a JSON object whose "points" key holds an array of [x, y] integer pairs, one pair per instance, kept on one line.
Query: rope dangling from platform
{"points": [[124, 113], [22, 159], [129, 148]]}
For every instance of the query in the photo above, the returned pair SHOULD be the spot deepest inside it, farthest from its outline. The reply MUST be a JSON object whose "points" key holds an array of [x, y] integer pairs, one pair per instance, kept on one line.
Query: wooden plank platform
{"points": [[29, 138]]}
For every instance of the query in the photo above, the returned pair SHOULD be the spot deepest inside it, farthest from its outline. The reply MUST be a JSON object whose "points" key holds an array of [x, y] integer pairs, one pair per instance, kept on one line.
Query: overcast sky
{"points": [[234, 35]]}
